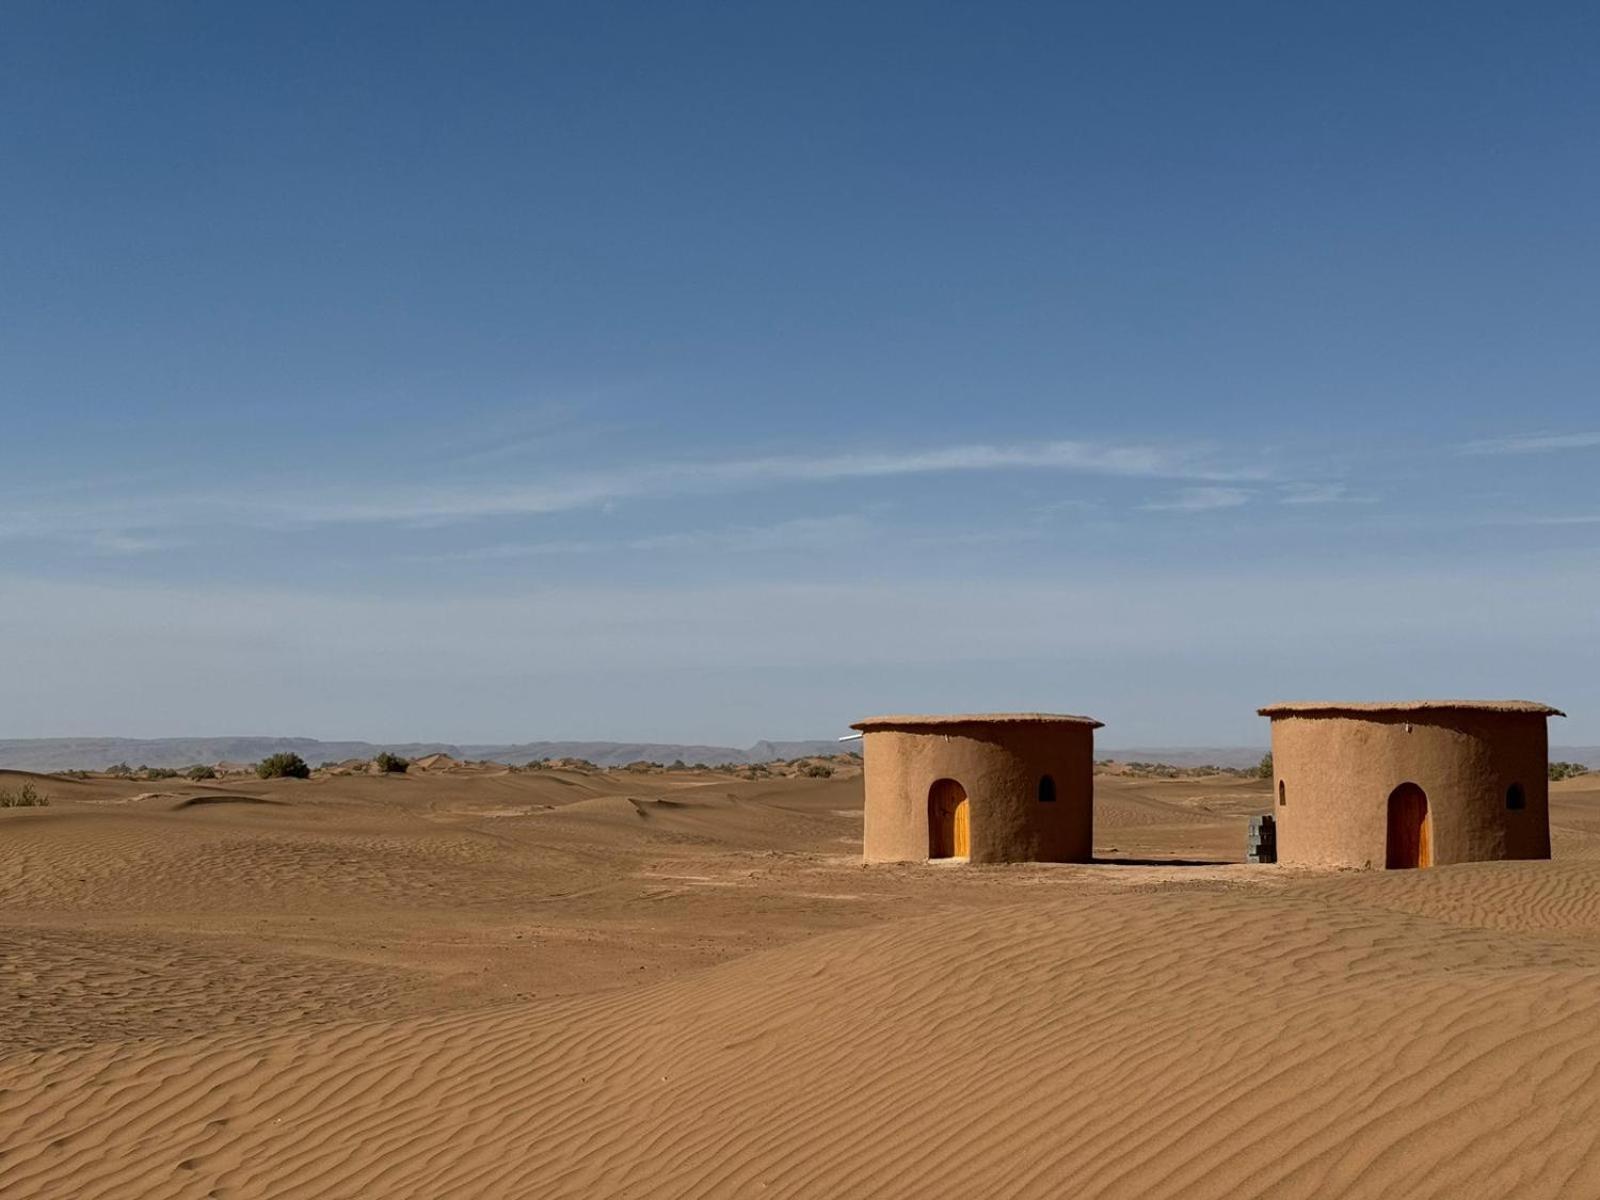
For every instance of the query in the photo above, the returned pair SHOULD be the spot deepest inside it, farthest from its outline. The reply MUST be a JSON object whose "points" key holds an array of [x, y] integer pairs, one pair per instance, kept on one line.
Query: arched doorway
{"points": [[948, 835], [1410, 829]]}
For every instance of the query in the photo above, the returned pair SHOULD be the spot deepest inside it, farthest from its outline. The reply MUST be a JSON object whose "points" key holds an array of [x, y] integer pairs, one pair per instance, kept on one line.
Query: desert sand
{"points": [[471, 982]]}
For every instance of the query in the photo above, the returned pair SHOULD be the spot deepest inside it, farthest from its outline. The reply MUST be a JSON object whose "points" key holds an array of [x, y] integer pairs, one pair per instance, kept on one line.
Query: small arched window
{"points": [[1283, 795], [1516, 800], [1047, 790]]}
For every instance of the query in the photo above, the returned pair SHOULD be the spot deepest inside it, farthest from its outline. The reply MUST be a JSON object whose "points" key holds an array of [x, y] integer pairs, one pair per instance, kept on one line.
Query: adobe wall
{"points": [[1337, 773], [999, 766]]}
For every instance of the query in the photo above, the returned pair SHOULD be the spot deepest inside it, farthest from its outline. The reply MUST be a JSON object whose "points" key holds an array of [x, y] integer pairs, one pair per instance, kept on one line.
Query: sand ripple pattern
{"points": [[1257, 1044], [1551, 898], [87, 986]]}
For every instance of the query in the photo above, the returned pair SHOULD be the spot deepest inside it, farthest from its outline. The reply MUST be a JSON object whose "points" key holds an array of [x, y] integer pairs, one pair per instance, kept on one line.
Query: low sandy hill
{"points": [[434, 762], [62, 786], [390, 894], [688, 986]]}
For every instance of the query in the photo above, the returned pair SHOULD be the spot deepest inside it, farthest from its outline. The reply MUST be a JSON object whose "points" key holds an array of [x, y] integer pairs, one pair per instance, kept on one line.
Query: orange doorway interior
{"points": [[1410, 829], [948, 824]]}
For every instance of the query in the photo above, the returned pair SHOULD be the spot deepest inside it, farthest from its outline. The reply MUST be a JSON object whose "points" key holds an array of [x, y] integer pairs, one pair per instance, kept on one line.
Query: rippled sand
{"points": [[562, 984]]}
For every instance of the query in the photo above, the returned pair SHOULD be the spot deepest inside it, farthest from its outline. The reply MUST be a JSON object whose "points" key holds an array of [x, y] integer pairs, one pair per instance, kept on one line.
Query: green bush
{"points": [[1264, 768], [158, 772], [816, 770], [121, 771], [200, 771], [391, 764], [283, 766], [1566, 770], [26, 796]]}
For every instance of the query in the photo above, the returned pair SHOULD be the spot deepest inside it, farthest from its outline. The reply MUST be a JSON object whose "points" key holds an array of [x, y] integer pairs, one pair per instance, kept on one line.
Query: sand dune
{"points": [[378, 989]]}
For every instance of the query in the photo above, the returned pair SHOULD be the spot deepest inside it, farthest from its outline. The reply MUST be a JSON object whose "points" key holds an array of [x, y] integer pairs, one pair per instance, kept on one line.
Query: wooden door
{"points": [[1410, 842], [948, 822]]}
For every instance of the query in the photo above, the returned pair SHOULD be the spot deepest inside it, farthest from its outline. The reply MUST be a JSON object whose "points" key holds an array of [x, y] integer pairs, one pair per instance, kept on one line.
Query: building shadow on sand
{"points": [[1103, 860]]}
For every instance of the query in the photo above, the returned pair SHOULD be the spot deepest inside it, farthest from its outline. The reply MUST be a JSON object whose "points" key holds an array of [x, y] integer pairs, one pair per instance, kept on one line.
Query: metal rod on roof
{"points": [[851, 737]]}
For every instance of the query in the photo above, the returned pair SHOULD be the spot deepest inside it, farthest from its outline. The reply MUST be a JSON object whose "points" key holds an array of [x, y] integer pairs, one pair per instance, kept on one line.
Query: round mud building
{"points": [[1417, 784], [984, 787]]}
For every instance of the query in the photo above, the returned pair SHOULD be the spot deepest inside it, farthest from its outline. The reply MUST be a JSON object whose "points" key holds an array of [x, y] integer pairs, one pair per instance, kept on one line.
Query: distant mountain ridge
{"points": [[96, 754]]}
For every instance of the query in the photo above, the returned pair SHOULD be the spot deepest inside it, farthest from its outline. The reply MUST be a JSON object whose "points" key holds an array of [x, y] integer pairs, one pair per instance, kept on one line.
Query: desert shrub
{"points": [[816, 770], [1151, 770], [283, 766], [158, 772], [1264, 767], [200, 771], [390, 764], [70, 774], [121, 771], [1566, 770], [26, 796]]}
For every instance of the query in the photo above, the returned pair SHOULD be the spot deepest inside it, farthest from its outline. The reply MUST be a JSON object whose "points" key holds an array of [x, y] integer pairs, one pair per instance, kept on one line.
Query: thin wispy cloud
{"points": [[1534, 444], [548, 428], [85, 531], [455, 501], [1570, 519], [116, 543], [803, 533], [699, 478], [1320, 493], [506, 551], [1084, 457], [1200, 499]]}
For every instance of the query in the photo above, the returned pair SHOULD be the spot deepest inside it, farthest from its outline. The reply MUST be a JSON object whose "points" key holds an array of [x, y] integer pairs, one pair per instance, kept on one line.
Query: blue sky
{"points": [[714, 372]]}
